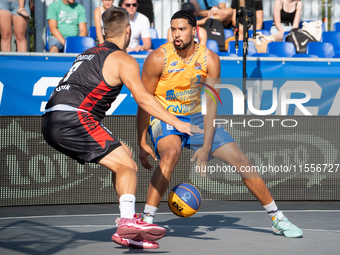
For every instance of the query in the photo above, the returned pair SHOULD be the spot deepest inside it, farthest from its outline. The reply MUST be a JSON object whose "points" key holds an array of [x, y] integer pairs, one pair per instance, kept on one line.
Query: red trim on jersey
{"points": [[92, 98], [94, 128], [91, 125]]}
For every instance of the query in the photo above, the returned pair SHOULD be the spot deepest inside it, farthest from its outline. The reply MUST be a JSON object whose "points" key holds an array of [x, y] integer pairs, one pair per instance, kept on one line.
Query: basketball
{"points": [[184, 200]]}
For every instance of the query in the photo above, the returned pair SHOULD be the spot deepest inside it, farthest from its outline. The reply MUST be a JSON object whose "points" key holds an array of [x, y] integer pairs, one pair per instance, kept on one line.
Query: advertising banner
{"points": [[26, 83]]}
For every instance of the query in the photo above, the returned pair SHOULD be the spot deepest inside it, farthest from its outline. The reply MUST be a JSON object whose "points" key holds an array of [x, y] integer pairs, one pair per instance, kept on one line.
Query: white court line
{"points": [[166, 226], [164, 213]]}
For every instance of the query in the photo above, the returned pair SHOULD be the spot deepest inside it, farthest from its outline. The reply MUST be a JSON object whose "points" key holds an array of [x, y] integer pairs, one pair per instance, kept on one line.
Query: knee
{"points": [[6, 36], [171, 156], [241, 160], [126, 167]]}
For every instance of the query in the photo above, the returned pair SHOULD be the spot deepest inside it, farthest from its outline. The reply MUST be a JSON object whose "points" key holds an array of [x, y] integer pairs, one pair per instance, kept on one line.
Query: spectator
{"points": [[258, 10], [65, 18], [216, 9], [287, 14], [140, 27], [145, 7], [98, 22], [201, 34], [8, 17]]}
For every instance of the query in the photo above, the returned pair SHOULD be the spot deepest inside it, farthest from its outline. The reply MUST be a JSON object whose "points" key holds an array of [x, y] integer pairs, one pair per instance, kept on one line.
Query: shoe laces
{"points": [[120, 221], [283, 221]]}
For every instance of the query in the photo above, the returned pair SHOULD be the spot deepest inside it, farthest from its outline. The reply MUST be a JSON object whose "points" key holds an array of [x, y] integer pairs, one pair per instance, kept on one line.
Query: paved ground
{"points": [[219, 227]]}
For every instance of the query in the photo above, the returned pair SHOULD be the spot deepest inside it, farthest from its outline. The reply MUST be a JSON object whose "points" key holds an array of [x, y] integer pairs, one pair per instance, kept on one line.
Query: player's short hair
{"points": [[115, 20], [188, 15]]}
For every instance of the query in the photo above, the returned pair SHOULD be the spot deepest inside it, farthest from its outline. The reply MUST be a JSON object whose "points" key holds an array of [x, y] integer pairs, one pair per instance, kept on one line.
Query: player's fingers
{"points": [[202, 165], [196, 129], [194, 157], [146, 164], [153, 155]]}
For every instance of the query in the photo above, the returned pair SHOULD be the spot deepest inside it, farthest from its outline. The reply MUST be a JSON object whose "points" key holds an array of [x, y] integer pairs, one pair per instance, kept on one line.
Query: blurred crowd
{"points": [[66, 18]]}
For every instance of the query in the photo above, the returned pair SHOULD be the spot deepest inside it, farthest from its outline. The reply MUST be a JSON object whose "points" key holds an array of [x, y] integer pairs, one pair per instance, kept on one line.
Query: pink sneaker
{"points": [[131, 228], [137, 242]]}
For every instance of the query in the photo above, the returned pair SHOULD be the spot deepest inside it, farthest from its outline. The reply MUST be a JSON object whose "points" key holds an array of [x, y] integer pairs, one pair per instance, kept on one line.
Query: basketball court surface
{"points": [[219, 227]]}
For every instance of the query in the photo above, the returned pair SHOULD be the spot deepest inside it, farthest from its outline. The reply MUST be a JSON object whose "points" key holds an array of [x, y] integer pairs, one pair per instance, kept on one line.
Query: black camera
{"points": [[245, 16]]}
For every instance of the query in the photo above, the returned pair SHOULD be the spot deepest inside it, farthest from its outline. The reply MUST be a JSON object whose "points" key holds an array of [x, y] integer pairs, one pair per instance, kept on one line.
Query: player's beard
{"points": [[183, 45]]}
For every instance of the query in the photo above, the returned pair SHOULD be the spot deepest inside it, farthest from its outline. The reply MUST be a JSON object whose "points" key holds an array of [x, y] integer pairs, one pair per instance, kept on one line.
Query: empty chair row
{"points": [[314, 49]]}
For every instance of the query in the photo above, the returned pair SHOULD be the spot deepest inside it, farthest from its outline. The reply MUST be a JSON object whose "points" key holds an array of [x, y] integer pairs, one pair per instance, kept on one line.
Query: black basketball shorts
{"points": [[78, 135]]}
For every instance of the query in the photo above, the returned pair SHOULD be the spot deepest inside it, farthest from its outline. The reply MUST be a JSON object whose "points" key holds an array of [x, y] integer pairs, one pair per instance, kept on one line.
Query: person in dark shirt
{"points": [[287, 14], [247, 4]]}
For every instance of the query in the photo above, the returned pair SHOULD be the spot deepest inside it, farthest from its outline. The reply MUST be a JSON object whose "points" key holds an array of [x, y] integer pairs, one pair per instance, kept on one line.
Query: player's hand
{"points": [[201, 155], [187, 128], [144, 151]]}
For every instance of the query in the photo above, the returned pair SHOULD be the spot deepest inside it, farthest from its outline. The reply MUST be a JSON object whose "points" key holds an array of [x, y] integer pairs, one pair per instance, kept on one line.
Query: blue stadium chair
{"points": [[336, 27], [78, 44], [265, 55], [47, 35], [153, 33], [92, 32], [284, 35], [156, 42], [304, 55], [212, 45], [281, 49], [251, 48], [228, 33], [267, 25], [321, 49], [226, 54], [139, 52], [332, 37], [264, 32]]}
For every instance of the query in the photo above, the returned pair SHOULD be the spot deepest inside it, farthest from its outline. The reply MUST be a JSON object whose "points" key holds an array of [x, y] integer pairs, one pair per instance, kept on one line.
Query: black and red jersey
{"points": [[84, 87]]}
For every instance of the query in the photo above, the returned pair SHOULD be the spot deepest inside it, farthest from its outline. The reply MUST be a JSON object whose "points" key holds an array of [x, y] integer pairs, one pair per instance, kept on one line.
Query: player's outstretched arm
{"points": [[120, 67], [213, 77]]}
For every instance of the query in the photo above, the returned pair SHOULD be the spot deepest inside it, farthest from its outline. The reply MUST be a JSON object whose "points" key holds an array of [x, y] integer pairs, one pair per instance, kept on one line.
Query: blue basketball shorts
{"points": [[159, 129]]}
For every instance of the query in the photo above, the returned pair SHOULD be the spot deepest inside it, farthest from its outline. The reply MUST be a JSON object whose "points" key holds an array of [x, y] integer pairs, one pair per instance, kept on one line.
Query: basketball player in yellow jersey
{"points": [[166, 75]]}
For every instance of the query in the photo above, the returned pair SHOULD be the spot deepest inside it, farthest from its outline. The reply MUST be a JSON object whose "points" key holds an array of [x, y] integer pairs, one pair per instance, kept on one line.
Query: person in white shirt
{"points": [[140, 27]]}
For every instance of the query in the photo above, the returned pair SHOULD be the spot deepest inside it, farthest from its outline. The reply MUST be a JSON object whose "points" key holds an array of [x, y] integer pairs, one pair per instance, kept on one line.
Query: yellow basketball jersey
{"points": [[177, 89]]}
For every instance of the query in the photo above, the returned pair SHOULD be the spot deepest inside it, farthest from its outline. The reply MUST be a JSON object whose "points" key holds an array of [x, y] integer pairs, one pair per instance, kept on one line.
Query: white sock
{"points": [[150, 210], [127, 206], [272, 209]]}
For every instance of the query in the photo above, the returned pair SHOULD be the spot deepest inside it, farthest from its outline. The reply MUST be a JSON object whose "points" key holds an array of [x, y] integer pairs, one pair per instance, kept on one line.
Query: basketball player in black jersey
{"points": [[72, 120]]}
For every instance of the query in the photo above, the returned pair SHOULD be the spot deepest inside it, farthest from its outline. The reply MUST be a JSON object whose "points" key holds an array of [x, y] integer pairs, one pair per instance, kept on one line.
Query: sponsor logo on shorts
{"points": [[169, 127], [88, 120]]}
